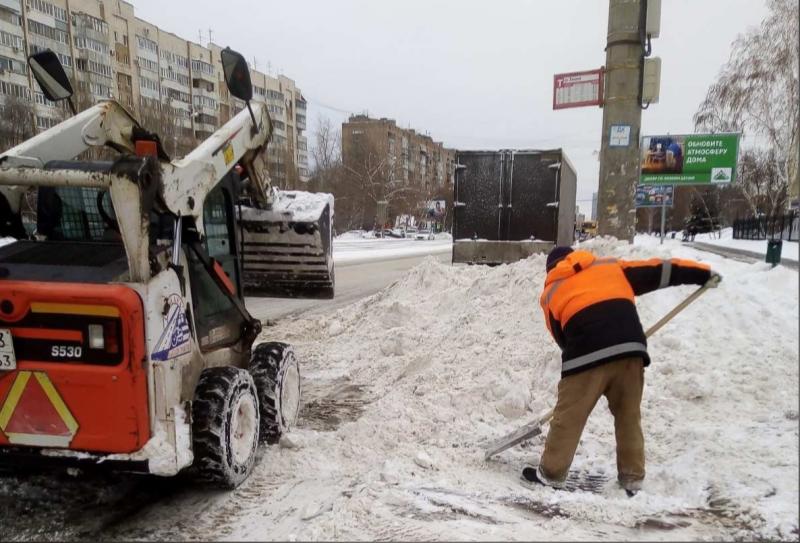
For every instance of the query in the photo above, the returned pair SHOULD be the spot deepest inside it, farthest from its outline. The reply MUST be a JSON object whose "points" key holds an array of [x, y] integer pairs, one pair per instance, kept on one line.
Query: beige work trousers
{"points": [[621, 382]]}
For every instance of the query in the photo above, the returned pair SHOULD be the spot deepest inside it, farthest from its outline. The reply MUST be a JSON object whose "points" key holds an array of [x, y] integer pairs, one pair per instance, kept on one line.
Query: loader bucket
{"points": [[287, 250]]}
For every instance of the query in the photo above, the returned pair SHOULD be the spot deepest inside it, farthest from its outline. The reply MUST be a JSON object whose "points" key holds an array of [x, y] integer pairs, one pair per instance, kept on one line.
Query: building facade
{"points": [[401, 167], [172, 85], [411, 158]]}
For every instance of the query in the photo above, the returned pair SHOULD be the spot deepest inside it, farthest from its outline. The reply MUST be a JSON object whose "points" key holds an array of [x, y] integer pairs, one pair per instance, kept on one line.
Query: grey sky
{"points": [[473, 74]]}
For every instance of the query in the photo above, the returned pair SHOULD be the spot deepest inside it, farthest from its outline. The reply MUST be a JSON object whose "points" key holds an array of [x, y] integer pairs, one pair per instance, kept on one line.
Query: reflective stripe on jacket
{"points": [[589, 308]]}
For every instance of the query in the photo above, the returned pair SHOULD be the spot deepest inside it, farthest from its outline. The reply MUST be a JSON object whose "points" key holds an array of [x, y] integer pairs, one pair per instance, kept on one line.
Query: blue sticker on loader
{"points": [[174, 340]]}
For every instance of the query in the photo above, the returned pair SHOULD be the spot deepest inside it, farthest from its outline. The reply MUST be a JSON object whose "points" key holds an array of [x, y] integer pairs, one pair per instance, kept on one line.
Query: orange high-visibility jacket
{"points": [[589, 308]]}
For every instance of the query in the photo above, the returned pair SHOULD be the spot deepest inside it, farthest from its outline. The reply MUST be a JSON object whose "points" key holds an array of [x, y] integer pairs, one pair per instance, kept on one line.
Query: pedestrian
{"points": [[588, 305]]}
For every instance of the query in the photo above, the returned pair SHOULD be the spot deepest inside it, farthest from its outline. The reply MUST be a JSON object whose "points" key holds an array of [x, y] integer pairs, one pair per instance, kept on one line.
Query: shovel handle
{"points": [[677, 309]]}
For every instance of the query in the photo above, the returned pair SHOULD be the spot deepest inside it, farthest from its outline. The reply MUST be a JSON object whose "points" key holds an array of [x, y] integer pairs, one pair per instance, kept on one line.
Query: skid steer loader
{"points": [[124, 339]]}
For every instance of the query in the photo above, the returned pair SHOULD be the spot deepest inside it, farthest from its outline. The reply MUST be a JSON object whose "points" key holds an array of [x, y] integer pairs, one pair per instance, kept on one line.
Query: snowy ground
{"points": [[788, 250], [404, 388]]}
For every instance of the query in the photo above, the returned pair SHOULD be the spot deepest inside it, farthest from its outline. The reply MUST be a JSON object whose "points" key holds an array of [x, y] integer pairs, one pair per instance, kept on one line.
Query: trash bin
{"points": [[774, 247]]}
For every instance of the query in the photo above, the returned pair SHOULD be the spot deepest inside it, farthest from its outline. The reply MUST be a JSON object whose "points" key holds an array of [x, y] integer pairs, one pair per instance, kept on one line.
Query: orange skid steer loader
{"points": [[124, 339]]}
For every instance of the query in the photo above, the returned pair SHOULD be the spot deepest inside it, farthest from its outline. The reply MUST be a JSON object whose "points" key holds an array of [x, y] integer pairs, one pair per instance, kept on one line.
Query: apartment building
{"points": [[410, 157], [173, 85]]}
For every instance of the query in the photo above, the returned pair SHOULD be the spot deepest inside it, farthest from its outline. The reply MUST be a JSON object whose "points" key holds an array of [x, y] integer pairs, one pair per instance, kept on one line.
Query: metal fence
{"points": [[786, 227]]}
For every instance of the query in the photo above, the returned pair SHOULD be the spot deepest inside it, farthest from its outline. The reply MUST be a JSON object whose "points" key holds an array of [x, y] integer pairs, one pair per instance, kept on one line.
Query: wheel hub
{"points": [[243, 428], [290, 395]]}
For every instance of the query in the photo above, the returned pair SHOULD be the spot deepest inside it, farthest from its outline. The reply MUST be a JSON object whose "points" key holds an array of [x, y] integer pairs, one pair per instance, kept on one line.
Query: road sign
{"points": [[693, 159], [578, 89], [620, 135], [654, 195]]}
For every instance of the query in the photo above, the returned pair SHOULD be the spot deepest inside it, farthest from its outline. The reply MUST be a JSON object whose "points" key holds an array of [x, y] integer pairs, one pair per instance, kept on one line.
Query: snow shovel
{"points": [[534, 428]]}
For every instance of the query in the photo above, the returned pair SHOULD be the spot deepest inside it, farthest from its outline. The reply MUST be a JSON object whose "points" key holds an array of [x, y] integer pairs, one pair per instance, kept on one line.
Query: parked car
{"points": [[424, 234], [411, 231]]}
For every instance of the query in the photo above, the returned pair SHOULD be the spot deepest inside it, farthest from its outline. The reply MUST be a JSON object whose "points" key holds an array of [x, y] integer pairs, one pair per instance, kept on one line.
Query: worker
{"points": [[674, 158], [589, 309]]}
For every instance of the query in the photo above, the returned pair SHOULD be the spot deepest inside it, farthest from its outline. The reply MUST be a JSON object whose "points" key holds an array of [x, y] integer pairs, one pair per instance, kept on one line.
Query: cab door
{"points": [[218, 321]]}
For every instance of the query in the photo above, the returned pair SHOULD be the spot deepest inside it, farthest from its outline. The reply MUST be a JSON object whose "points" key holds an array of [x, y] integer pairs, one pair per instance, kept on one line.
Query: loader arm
{"points": [[184, 183], [286, 235], [187, 181], [106, 123]]}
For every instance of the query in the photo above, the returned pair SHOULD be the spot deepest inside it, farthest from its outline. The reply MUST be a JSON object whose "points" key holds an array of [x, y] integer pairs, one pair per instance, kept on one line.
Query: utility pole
{"points": [[619, 162]]}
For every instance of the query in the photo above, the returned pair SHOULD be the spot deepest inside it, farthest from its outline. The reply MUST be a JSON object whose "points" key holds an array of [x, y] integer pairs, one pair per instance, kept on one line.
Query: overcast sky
{"points": [[473, 74]]}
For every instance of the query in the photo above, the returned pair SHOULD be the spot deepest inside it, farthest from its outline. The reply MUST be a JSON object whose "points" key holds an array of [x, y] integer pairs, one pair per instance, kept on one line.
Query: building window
{"points": [[147, 64], [49, 32], [146, 44], [202, 67], [205, 101], [12, 65], [149, 84], [90, 44], [11, 40], [84, 20], [44, 123], [11, 17], [17, 91]]}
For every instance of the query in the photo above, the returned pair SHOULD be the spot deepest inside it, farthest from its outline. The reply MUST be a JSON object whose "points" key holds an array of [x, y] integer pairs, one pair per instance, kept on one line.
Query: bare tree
{"points": [[368, 171], [16, 122], [168, 123], [757, 93], [761, 184], [327, 151]]}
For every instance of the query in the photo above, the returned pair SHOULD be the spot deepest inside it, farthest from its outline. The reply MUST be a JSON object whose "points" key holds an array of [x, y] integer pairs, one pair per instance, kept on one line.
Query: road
{"points": [[355, 279]]}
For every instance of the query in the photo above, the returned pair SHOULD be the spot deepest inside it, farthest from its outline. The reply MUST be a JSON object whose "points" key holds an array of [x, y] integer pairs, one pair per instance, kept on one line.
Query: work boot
{"points": [[631, 486], [532, 475]]}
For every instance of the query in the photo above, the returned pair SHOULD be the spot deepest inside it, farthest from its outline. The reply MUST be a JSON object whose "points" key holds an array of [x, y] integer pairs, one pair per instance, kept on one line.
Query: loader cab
{"points": [[218, 321]]}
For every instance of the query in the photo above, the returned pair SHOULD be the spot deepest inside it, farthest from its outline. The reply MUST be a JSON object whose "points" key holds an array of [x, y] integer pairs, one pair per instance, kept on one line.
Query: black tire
{"points": [[222, 395], [269, 365]]}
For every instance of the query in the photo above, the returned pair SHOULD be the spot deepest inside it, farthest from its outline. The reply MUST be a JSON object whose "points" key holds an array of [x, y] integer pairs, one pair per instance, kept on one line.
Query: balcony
{"points": [[203, 76]]}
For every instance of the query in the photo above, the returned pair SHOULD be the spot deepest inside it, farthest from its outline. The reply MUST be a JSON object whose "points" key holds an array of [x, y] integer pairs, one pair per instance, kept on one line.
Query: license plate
{"points": [[8, 360]]}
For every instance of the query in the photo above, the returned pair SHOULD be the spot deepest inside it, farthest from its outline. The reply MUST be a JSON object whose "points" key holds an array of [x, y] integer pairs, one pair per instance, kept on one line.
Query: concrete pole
{"points": [[619, 166]]}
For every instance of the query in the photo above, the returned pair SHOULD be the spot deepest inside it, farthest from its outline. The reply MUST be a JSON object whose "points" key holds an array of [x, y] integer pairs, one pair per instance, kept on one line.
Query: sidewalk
{"points": [[745, 254]]}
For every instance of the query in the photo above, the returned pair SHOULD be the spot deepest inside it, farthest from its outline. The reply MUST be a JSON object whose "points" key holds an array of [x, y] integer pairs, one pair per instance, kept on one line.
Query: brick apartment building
{"points": [[109, 52], [409, 159]]}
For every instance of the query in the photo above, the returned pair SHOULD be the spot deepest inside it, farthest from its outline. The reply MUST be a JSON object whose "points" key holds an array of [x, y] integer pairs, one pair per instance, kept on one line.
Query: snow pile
{"points": [[291, 206], [7, 241], [352, 235], [403, 389]]}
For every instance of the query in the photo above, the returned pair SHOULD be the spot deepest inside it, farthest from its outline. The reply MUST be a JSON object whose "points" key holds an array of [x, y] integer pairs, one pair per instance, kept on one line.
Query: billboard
{"points": [[436, 210], [654, 195], [693, 159], [578, 89]]}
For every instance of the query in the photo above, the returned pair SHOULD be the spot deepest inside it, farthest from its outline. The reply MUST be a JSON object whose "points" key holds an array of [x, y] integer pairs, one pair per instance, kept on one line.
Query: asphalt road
{"points": [[353, 282]]}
